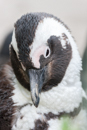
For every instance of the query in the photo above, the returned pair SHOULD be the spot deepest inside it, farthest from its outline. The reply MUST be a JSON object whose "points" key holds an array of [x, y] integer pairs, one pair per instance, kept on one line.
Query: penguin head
{"points": [[40, 52]]}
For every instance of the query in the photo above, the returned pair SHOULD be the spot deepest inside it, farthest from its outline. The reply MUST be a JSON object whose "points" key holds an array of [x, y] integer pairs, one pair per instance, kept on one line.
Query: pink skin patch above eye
{"points": [[36, 55]]}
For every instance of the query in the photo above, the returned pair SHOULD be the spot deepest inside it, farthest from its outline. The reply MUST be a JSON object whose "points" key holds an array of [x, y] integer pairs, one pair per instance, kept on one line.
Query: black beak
{"points": [[36, 83]]}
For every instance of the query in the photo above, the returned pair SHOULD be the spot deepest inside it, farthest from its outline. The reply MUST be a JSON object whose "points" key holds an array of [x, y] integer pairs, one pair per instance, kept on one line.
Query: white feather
{"points": [[14, 42]]}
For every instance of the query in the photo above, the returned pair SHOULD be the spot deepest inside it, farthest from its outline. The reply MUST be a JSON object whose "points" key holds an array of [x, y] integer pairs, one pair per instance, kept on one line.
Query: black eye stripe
{"points": [[58, 61]]}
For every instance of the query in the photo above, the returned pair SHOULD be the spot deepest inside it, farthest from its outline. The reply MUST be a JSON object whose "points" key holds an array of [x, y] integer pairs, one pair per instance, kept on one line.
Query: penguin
{"points": [[40, 85]]}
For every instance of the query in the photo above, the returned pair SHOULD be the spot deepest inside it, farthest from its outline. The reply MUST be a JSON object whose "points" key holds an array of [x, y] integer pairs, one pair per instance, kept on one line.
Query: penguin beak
{"points": [[36, 83]]}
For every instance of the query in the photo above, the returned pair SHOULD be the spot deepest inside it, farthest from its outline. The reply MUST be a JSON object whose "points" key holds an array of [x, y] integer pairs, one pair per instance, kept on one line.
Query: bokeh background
{"points": [[72, 12]]}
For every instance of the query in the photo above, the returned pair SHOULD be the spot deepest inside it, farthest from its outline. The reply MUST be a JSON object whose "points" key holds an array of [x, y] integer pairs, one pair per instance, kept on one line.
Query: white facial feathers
{"points": [[45, 29], [14, 43], [49, 27]]}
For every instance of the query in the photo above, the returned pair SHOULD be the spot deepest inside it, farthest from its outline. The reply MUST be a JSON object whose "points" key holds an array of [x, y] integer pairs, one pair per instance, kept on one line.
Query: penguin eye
{"points": [[47, 52]]}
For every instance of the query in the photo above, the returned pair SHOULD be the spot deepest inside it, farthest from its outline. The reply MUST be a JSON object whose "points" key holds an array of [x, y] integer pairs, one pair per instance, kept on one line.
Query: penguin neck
{"points": [[68, 94], [61, 98]]}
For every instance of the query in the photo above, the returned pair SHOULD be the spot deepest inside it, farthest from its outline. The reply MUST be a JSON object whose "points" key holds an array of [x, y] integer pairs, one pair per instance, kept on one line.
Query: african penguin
{"points": [[41, 83]]}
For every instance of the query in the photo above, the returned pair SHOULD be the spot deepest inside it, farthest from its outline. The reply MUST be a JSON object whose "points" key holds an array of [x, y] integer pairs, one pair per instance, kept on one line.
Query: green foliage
{"points": [[66, 125]]}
